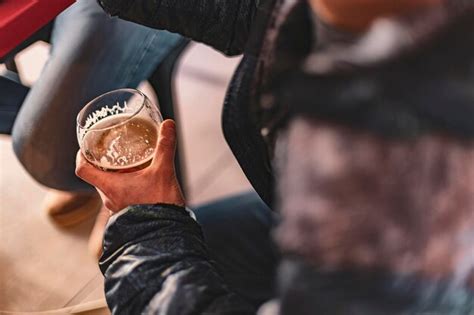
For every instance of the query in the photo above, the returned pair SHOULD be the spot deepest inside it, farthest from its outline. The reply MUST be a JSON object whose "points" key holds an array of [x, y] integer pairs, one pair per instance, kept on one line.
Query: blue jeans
{"points": [[237, 231], [91, 54]]}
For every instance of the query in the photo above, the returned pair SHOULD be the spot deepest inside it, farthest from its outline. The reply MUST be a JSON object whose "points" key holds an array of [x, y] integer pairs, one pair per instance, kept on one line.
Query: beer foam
{"points": [[96, 116]]}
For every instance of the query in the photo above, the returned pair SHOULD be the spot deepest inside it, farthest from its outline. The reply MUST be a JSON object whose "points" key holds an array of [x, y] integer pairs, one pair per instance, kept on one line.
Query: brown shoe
{"points": [[67, 209], [97, 235]]}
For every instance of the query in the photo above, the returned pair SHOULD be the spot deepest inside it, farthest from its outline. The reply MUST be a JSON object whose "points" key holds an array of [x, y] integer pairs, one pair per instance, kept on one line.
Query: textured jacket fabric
{"points": [[155, 260], [224, 25]]}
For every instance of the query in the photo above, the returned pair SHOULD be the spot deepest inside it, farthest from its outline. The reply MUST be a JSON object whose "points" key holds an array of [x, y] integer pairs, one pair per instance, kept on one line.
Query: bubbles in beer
{"points": [[120, 142]]}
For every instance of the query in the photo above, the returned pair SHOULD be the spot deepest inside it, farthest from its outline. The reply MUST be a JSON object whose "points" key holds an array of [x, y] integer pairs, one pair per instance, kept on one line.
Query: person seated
{"points": [[370, 138], [91, 54]]}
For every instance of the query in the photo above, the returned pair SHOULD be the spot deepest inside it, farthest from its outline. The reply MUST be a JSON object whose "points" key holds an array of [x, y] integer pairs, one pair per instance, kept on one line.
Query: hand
{"points": [[155, 184]]}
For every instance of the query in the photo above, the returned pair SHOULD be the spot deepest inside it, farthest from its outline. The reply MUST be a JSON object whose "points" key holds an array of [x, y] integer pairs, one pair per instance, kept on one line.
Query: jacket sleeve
{"points": [[222, 24], [155, 261]]}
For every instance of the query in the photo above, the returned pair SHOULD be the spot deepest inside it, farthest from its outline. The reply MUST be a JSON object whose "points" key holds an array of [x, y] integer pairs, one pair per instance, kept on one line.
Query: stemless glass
{"points": [[118, 131]]}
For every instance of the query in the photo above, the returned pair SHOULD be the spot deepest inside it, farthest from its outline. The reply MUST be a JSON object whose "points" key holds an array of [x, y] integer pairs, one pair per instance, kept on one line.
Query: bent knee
{"points": [[42, 165]]}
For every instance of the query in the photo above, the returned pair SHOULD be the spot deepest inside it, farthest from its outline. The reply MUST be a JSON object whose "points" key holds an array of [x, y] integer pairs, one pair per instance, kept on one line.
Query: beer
{"points": [[118, 131], [120, 143]]}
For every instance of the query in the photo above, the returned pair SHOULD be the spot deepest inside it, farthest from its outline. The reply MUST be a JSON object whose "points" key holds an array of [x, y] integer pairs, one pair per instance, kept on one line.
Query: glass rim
{"points": [[135, 113]]}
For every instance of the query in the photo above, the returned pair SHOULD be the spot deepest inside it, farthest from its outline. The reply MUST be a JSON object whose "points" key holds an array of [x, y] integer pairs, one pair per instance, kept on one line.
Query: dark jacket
{"points": [[155, 259]]}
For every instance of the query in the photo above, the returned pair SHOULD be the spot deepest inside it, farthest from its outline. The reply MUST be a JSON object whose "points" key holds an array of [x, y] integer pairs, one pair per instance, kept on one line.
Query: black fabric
{"points": [[114, 7], [224, 25], [10, 103], [242, 134], [154, 256]]}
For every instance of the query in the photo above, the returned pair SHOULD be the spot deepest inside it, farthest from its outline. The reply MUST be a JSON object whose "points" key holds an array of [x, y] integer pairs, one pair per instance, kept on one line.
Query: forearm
{"points": [[224, 25], [154, 257]]}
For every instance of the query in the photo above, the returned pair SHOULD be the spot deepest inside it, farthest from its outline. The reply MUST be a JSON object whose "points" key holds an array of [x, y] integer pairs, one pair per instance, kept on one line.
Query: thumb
{"points": [[165, 151]]}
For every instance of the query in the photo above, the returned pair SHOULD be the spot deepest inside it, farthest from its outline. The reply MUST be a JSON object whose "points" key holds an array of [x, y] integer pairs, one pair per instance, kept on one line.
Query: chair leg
{"points": [[13, 96], [10, 64], [12, 71]]}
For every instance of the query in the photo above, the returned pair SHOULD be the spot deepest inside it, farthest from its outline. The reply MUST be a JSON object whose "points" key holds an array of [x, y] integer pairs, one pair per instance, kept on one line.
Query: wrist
{"points": [[172, 195]]}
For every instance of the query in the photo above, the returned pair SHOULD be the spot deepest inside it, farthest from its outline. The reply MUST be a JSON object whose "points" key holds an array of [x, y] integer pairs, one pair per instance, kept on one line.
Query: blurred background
{"points": [[30, 243]]}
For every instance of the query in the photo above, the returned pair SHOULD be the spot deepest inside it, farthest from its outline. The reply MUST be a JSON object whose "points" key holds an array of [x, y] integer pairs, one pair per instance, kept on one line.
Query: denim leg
{"points": [[91, 54], [237, 231]]}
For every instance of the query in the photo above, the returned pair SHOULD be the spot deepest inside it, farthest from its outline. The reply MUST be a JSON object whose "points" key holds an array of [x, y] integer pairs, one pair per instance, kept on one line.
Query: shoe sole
{"points": [[77, 216]]}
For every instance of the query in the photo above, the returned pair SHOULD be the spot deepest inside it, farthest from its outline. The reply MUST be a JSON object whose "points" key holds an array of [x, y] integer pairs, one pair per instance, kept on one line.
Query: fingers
{"points": [[91, 174], [165, 152]]}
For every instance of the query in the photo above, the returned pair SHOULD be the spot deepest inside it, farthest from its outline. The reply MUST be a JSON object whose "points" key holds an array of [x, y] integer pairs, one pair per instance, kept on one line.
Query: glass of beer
{"points": [[118, 131]]}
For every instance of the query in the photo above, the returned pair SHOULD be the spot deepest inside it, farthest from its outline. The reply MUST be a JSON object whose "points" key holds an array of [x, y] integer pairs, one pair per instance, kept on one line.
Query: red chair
{"points": [[19, 19]]}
